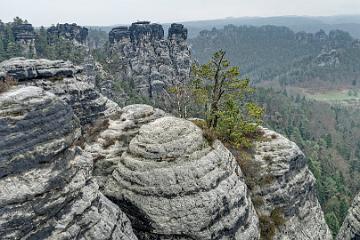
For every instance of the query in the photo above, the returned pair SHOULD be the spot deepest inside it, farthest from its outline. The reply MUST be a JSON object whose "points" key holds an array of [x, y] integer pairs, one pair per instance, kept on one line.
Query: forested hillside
{"points": [[277, 54]]}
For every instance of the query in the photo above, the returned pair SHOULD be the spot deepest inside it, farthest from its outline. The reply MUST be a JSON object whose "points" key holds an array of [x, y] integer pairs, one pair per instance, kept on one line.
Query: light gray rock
{"points": [[350, 229], [290, 187], [46, 186], [28, 69], [113, 140], [173, 185], [64, 80]]}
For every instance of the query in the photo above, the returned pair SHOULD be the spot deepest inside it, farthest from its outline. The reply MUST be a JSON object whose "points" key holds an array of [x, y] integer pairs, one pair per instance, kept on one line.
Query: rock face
{"points": [[173, 185], [147, 62], [114, 140], [46, 187], [67, 31], [24, 34], [66, 81], [74, 165], [350, 229], [290, 188]]}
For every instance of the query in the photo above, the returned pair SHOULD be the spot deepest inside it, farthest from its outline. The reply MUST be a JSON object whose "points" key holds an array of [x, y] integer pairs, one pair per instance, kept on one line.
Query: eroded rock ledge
{"points": [[46, 186], [64, 80]]}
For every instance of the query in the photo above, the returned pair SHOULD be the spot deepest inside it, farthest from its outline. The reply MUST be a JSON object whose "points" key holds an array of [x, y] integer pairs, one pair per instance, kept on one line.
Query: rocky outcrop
{"points": [[24, 35], [103, 81], [114, 140], [23, 69], [67, 31], [173, 184], [66, 81], [147, 62], [46, 186], [286, 187], [350, 229], [74, 165]]}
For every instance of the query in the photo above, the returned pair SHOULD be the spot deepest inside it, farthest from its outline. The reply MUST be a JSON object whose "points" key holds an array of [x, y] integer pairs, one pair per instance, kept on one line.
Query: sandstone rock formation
{"points": [[46, 187], [174, 185], [66, 81], [73, 163], [24, 34], [350, 229], [289, 188], [67, 31], [114, 140], [146, 61]]}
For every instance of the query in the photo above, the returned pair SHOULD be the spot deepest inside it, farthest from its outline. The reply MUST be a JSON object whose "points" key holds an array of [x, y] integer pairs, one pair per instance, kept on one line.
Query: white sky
{"points": [[110, 12]]}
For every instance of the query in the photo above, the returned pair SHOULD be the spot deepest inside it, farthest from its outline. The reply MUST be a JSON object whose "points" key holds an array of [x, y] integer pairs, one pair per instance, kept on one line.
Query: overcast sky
{"points": [[110, 12]]}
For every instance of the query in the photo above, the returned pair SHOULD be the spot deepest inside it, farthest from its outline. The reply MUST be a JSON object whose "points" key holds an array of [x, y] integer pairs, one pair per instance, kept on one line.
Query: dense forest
{"points": [[278, 54]]}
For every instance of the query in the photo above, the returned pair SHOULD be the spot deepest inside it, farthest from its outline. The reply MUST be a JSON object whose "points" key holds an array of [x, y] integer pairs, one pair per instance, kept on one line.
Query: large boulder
{"points": [[46, 185], [285, 188], [173, 184]]}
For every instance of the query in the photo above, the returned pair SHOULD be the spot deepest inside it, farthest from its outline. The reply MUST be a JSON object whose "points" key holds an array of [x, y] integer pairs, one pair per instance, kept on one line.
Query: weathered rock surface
{"points": [[147, 62], [114, 140], [290, 188], [350, 229], [66, 81], [46, 187], [28, 69], [67, 31], [173, 185], [24, 34], [103, 81]]}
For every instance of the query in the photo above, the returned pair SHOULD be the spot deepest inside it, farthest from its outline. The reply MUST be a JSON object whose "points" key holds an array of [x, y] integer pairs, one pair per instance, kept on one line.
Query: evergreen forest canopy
{"points": [[279, 55]]}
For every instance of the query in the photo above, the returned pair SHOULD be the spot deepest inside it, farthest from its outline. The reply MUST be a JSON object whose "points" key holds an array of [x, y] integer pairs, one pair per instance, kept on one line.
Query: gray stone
{"points": [[27, 69], [173, 185], [290, 187], [112, 141], [24, 35], [64, 80], [67, 31], [350, 229], [143, 51], [46, 185]]}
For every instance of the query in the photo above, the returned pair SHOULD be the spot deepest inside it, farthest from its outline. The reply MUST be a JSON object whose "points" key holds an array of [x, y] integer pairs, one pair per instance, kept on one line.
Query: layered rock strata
{"points": [[24, 35], [287, 186], [46, 185], [148, 63], [67, 31], [66, 81], [174, 185], [114, 140]]}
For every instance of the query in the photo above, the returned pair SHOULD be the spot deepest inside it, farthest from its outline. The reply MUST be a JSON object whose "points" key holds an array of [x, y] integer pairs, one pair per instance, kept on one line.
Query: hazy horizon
{"points": [[112, 12]]}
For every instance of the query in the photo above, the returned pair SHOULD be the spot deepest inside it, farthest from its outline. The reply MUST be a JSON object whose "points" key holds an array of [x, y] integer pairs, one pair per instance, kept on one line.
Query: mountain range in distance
{"points": [[312, 24]]}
